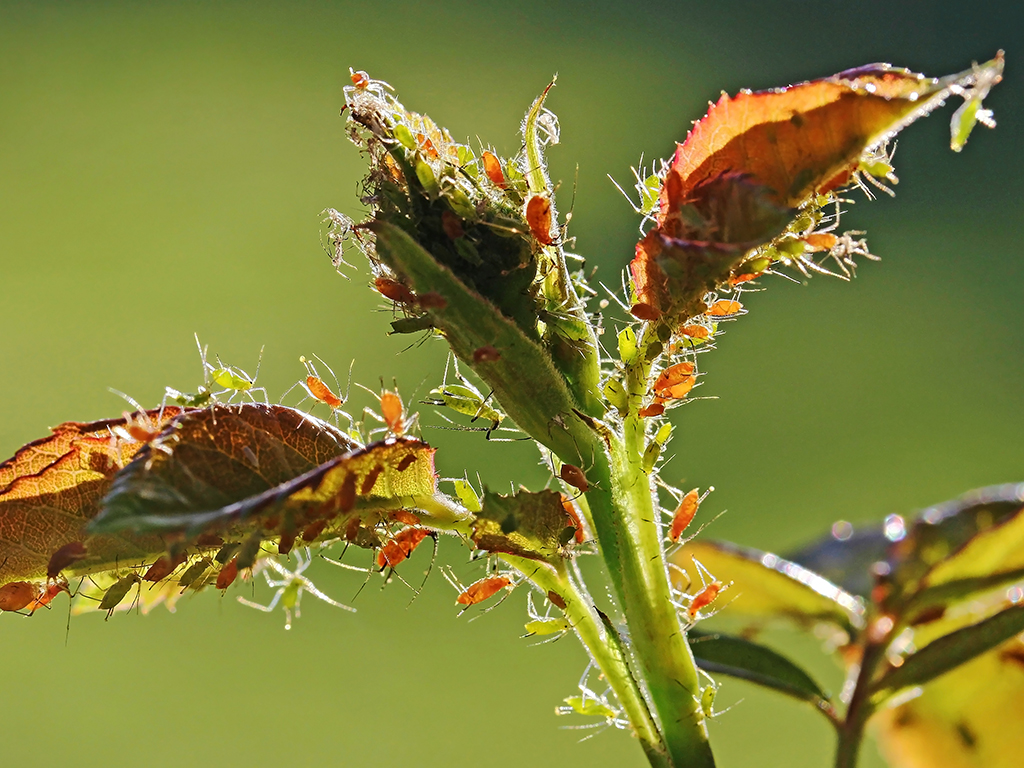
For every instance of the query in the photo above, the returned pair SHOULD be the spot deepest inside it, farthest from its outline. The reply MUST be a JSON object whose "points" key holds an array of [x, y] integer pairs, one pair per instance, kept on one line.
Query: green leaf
{"points": [[949, 652], [742, 659], [768, 587], [529, 525]]}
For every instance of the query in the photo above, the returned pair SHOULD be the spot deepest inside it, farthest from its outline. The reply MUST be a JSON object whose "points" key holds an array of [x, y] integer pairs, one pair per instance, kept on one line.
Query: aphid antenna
{"points": [[129, 399], [634, 206]]}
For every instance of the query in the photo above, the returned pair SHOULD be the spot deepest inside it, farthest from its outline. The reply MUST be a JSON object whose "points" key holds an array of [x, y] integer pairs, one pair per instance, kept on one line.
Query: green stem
{"points": [[851, 732], [581, 613]]}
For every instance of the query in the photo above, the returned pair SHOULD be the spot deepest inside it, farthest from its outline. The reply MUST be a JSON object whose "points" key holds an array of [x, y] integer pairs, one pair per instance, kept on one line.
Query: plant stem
{"points": [[851, 731]]}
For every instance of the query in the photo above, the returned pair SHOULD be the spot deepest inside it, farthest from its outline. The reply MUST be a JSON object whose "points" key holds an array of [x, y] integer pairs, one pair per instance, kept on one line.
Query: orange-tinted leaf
{"points": [[50, 491]]}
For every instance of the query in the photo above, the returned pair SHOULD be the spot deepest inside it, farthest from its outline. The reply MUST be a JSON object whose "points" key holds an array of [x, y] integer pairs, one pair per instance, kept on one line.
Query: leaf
{"points": [[754, 158], [742, 659], [51, 488], [967, 718], [846, 559], [530, 525], [769, 587], [949, 652], [265, 470]]}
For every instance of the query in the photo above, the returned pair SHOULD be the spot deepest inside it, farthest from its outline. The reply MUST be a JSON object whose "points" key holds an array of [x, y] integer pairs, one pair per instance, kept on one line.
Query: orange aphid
{"points": [[318, 390], [432, 300], [486, 354], [820, 241], [538, 216], [492, 167], [427, 145], [724, 308], [574, 517], [695, 331], [574, 476], [674, 374], [64, 557], [228, 574], [684, 515], [556, 600], [401, 546], [737, 279], [704, 598], [479, 591], [315, 528], [360, 79], [678, 390], [404, 516], [17, 595], [393, 412], [654, 409], [346, 498], [53, 588], [394, 290]]}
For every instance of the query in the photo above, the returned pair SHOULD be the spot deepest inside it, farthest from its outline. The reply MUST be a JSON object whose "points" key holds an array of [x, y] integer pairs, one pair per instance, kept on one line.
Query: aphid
{"points": [[574, 476], [709, 592], [589, 704], [486, 354], [672, 376], [684, 515], [579, 534], [482, 589], [64, 557], [370, 480], [394, 290], [404, 516], [645, 312], [538, 217], [115, 594], [544, 625], [232, 379], [194, 573], [363, 83], [452, 226], [138, 427], [346, 498], [466, 399], [228, 574], [492, 167], [163, 568], [696, 332], [431, 300], [250, 550], [654, 409], [46, 594], [400, 547], [290, 587], [724, 308], [392, 412], [467, 494], [16, 595], [314, 529], [319, 391]]}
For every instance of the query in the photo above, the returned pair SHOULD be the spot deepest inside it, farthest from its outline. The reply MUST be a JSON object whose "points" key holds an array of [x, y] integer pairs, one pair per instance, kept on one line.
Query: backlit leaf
{"points": [[768, 587], [529, 525], [51, 490], [265, 470]]}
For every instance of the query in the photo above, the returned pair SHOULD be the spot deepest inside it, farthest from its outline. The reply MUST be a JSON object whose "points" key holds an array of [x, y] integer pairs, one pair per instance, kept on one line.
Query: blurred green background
{"points": [[162, 172]]}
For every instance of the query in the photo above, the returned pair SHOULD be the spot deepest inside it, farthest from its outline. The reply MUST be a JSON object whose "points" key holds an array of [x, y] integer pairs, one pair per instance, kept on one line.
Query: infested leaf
{"points": [[51, 489], [717, 653], [528, 525], [267, 471], [767, 587]]}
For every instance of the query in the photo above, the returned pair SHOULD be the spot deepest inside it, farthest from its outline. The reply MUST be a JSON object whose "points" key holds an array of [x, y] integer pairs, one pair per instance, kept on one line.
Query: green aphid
{"points": [[467, 495], [546, 626], [249, 550], [466, 399], [226, 552], [194, 573], [116, 593], [427, 179], [190, 400], [404, 136], [590, 707], [616, 396], [628, 351]]}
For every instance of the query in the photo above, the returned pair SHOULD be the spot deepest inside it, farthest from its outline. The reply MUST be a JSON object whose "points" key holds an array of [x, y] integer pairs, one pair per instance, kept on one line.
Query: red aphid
{"points": [[360, 79], [404, 516], [64, 557], [644, 311], [163, 567], [556, 600], [431, 300], [394, 290], [371, 480], [452, 225], [46, 596], [492, 167], [286, 542], [820, 241], [538, 217], [684, 515], [228, 574], [322, 392], [314, 529], [479, 591], [346, 498], [574, 476], [672, 375], [695, 331], [486, 354], [401, 546]]}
